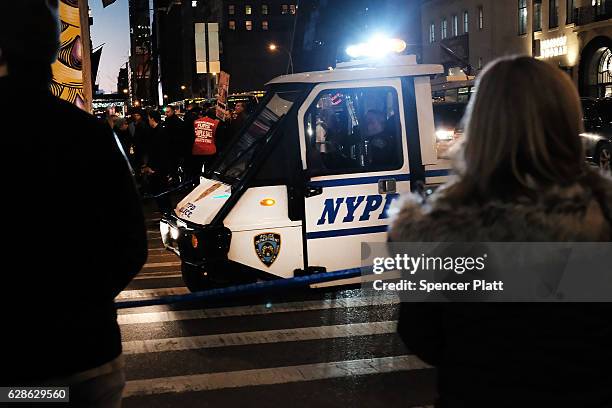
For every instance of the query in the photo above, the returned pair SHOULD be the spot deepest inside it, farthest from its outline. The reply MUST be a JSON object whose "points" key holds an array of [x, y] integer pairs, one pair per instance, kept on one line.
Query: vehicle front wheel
{"points": [[603, 156], [196, 279]]}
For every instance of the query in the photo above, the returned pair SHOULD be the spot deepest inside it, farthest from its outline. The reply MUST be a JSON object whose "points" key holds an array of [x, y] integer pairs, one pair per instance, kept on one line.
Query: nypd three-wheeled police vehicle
{"points": [[311, 175]]}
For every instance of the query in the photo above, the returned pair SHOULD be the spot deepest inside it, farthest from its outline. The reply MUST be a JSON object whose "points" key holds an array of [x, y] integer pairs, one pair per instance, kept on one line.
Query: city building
{"points": [[123, 81], [325, 28], [248, 29], [174, 33], [575, 35], [142, 65], [245, 30]]}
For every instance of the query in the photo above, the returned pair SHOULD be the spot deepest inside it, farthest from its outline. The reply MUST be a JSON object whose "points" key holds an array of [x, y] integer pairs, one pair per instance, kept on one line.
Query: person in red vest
{"points": [[204, 148]]}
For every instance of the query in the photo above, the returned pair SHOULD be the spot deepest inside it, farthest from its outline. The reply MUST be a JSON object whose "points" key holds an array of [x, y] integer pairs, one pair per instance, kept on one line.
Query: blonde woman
{"points": [[520, 176]]}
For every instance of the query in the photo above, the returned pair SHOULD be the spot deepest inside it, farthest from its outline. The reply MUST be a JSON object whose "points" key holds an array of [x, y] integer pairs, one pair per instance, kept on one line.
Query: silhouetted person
{"points": [[123, 134], [74, 221], [158, 162], [139, 130], [381, 143], [239, 117], [179, 137], [521, 177]]}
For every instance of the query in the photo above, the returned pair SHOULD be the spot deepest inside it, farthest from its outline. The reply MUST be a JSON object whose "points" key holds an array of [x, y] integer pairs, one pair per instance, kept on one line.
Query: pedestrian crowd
{"points": [[165, 152]]}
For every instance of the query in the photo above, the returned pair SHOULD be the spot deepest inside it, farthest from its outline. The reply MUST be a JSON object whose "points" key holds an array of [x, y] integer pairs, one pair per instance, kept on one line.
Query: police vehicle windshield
{"points": [[239, 157]]}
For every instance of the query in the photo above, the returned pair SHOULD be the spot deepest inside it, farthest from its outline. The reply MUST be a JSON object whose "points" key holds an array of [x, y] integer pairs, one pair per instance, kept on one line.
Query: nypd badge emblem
{"points": [[267, 247]]}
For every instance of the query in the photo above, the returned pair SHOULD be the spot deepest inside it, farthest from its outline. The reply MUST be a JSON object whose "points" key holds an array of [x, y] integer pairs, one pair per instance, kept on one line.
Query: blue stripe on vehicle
{"points": [[346, 232], [437, 173], [359, 180], [374, 179]]}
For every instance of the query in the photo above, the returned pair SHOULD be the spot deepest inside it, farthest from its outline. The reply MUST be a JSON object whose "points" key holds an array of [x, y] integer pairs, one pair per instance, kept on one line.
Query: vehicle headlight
{"points": [[445, 134], [164, 228], [174, 233], [593, 137]]}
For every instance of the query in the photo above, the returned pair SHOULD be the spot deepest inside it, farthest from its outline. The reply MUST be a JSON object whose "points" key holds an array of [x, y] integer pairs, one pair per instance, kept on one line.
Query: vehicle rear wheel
{"points": [[603, 156]]}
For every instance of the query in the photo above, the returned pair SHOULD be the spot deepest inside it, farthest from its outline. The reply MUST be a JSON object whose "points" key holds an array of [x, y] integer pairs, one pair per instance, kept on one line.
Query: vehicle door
{"points": [[354, 153]]}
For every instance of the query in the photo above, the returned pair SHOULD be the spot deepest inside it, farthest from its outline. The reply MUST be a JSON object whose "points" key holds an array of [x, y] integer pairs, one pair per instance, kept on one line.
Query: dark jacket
{"points": [[159, 155], [140, 138], [179, 137], [383, 149], [125, 139], [237, 123], [188, 120], [74, 233], [519, 354]]}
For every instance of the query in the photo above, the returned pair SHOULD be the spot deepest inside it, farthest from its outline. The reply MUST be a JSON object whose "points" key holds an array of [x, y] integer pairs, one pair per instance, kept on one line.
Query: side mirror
{"points": [[295, 203]]}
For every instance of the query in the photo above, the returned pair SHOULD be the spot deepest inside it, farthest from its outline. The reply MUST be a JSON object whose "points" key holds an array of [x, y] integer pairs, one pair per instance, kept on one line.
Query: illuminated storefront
{"points": [[575, 36], [596, 67]]}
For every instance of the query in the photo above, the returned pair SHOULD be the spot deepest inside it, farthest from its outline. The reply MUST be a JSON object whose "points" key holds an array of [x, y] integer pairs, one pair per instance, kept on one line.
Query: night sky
{"points": [[111, 26]]}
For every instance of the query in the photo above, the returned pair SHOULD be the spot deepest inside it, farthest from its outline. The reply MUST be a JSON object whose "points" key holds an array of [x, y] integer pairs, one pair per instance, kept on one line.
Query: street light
{"points": [[273, 47], [125, 91], [183, 87]]}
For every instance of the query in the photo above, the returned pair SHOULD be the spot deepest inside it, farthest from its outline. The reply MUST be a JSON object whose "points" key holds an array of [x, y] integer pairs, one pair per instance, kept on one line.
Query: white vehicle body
{"points": [[317, 208]]}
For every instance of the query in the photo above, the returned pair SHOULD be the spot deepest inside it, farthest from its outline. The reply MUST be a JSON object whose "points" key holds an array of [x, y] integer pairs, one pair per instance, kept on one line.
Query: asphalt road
{"points": [[316, 348]]}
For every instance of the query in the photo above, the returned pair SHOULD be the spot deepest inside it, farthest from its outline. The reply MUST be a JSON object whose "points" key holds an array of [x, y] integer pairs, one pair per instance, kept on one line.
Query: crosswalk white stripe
{"points": [[258, 337], [157, 273], [150, 293], [161, 258], [169, 316], [157, 276], [159, 249], [161, 264], [270, 376]]}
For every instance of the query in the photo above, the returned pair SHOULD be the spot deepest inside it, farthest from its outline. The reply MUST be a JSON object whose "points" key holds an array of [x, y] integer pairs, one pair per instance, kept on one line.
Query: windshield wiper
{"points": [[221, 177]]}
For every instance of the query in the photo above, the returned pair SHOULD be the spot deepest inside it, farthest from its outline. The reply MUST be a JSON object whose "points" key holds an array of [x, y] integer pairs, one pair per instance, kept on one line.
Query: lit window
{"points": [[284, 9], [553, 14], [232, 25], [480, 18], [537, 15], [455, 26], [248, 10], [570, 12], [231, 9], [264, 9], [432, 32], [194, 3], [466, 24], [292, 9], [249, 25], [443, 28], [522, 17], [385, 152], [264, 25], [600, 7]]}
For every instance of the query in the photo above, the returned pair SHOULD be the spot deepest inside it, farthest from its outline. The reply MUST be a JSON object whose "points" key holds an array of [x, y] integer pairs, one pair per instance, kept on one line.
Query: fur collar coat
{"points": [[578, 212]]}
